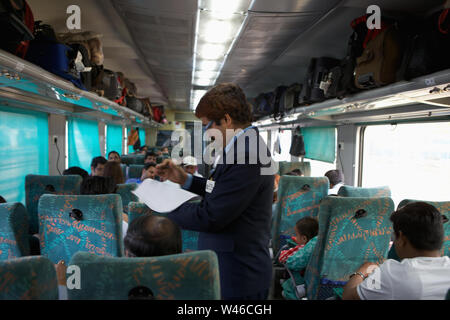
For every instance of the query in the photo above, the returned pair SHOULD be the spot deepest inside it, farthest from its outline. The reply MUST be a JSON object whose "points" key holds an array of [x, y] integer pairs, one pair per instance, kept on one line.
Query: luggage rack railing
{"points": [[49, 86], [422, 90]]}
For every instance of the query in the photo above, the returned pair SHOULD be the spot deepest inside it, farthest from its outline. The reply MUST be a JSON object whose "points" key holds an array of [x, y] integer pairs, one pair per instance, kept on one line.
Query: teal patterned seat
{"points": [[185, 276], [127, 159], [357, 192], [124, 190], [99, 231], [189, 237], [28, 278], [351, 231], [298, 197], [35, 186], [285, 167], [124, 170], [13, 231], [135, 171], [444, 209]]}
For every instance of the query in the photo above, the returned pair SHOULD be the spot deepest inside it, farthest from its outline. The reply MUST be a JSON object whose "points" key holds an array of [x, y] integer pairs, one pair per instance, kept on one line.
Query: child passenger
{"points": [[296, 259]]}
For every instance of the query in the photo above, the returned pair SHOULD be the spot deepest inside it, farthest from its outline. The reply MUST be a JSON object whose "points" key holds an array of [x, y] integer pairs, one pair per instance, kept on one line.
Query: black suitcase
{"points": [[318, 70], [86, 68], [110, 85], [428, 46]]}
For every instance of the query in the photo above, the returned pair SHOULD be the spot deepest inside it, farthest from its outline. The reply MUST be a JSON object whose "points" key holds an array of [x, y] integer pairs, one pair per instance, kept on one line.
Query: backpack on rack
{"points": [[340, 81], [428, 46], [380, 60], [262, 105], [290, 97], [318, 69], [17, 25], [277, 102], [147, 108], [135, 104], [58, 58]]}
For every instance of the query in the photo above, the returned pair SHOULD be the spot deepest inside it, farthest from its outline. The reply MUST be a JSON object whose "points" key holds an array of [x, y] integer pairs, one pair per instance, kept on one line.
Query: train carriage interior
{"points": [[351, 97]]}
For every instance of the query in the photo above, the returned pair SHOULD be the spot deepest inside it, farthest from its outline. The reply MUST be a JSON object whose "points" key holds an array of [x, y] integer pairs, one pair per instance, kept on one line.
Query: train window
{"points": [[113, 137], [319, 168], [412, 159]]}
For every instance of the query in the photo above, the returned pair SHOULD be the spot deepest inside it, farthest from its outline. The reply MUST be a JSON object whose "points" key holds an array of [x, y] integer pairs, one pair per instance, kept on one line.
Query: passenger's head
{"points": [[306, 229], [114, 156], [149, 171], [97, 185], [190, 165], [335, 177], [76, 171], [143, 150], [165, 150], [418, 230], [98, 166], [224, 107], [295, 172], [2, 200], [114, 171], [151, 235], [150, 157]]}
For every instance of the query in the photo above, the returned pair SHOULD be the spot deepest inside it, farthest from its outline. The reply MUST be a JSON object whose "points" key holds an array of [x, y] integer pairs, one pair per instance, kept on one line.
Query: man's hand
{"points": [[368, 267], [168, 170]]}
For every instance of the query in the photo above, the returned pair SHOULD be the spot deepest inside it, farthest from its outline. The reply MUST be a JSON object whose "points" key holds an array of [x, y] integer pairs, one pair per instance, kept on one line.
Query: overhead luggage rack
{"points": [[424, 96], [25, 85]]}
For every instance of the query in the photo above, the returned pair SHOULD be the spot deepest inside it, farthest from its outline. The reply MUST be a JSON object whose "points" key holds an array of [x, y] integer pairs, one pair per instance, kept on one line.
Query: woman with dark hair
{"points": [[114, 171], [151, 236], [114, 156]]}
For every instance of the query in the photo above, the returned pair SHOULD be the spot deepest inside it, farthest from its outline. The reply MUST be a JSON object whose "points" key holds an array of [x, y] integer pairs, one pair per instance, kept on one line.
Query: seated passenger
{"points": [[295, 172], [150, 157], [151, 236], [336, 179], [165, 150], [422, 273], [189, 165], [148, 172], [296, 259], [97, 166], [114, 171], [114, 156], [76, 171]]}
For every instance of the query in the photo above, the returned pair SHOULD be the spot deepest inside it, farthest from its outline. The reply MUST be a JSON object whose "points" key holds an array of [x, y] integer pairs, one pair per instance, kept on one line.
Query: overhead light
{"points": [[212, 51], [225, 9], [206, 74], [217, 31], [211, 65], [203, 81]]}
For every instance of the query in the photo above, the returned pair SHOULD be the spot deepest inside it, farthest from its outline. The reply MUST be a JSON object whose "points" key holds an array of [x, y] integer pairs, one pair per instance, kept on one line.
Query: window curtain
{"points": [[83, 143], [23, 150], [320, 143], [141, 138], [114, 139]]}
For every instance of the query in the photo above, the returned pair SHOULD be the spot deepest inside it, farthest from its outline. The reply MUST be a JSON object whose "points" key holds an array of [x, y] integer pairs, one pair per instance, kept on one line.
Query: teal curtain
{"points": [[83, 143], [141, 138], [23, 150], [320, 143], [114, 139]]}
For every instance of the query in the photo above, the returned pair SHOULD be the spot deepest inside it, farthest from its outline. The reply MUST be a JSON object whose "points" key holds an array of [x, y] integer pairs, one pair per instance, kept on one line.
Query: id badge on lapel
{"points": [[210, 185]]}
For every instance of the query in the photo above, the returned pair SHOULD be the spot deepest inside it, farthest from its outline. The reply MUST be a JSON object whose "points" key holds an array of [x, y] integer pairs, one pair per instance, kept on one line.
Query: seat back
{"points": [[186, 276], [351, 231], [189, 237], [135, 171], [35, 187], [298, 197], [28, 278], [285, 167], [124, 190], [124, 170], [127, 159], [444, 209], [357, 192], [13, 231], [99, 231]]}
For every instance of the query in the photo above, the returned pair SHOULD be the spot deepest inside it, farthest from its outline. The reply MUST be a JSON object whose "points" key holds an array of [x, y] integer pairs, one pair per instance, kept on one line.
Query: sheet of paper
{"points": [[162, 197]]}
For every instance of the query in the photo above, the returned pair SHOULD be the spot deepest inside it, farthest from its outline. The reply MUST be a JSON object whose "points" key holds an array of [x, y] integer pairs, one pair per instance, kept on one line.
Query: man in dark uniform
{"points": [[234, 217]]}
